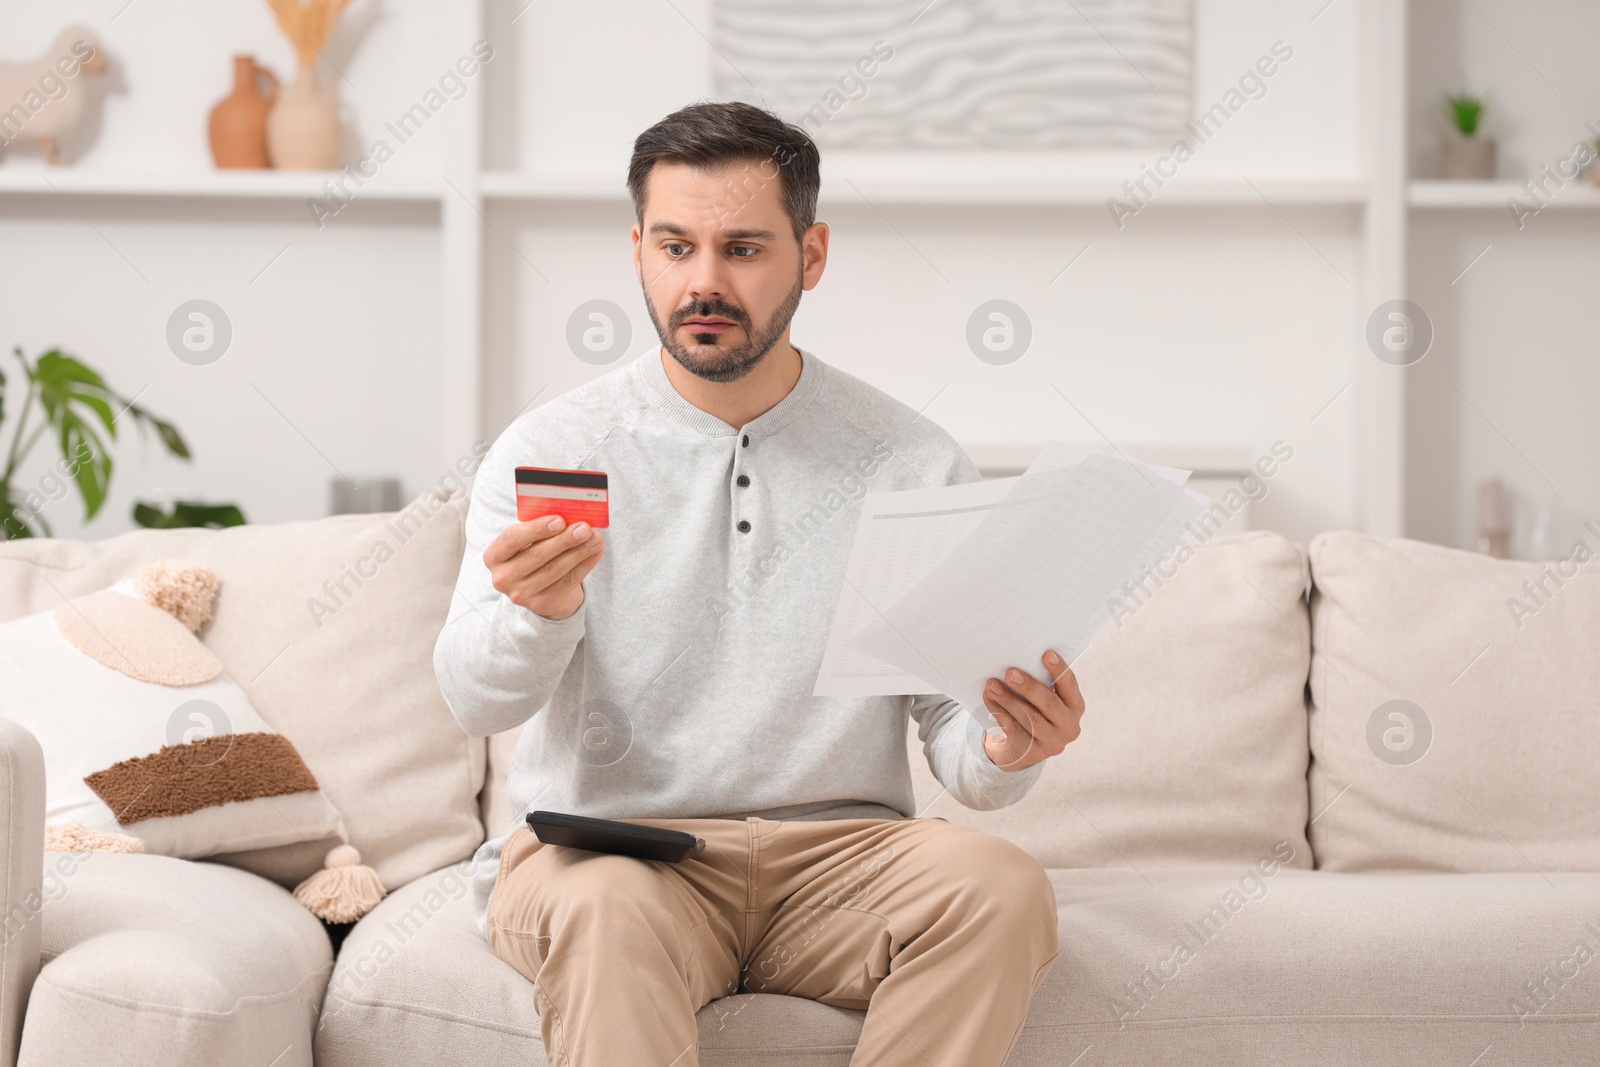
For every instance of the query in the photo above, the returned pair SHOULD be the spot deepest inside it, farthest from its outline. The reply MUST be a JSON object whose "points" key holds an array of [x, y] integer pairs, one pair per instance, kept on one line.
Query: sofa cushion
{"points": [[1283, 966], [1454, 709], [1194, 737], [329, 627], [1220, 965], [416, 974], [150, 960]]}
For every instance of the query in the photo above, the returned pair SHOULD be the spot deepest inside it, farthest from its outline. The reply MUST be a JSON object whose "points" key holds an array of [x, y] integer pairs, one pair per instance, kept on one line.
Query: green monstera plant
{"points": [[71, 402]]}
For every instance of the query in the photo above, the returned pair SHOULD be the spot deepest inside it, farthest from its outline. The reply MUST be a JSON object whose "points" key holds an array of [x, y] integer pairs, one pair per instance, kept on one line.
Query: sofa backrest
{"points": [[1454, 714], [329, 626], [1194, 744], [1193, 747]]}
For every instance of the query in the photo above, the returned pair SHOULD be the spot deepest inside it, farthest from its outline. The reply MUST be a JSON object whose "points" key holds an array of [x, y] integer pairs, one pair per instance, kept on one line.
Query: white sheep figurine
{"points": [[42, 100]]}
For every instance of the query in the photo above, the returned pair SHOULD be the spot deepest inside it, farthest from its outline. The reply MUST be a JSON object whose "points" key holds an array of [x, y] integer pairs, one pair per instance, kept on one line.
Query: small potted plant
{"points": [[1466, 153]]}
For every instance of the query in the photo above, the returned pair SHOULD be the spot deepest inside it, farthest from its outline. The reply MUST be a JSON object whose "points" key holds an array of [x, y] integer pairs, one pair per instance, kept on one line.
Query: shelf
{"points": [[221, 184], [1577, 193], [846, 189], [603, 188]]}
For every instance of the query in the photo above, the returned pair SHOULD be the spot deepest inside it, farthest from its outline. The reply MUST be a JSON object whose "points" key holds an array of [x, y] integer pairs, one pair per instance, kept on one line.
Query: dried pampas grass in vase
{"points": [[303, 131]]}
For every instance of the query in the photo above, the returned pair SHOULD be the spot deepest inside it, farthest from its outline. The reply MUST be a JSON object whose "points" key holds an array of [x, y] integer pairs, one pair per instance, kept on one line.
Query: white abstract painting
{"points": [[961, 74]]}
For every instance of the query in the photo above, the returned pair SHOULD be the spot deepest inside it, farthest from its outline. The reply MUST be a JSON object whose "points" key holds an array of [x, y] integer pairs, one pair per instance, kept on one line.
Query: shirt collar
{"points": [[768, 422]]}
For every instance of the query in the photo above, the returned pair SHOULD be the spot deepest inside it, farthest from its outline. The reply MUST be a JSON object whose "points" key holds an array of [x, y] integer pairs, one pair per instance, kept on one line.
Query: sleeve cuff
{"points": [[994, 781], [519, 622]]}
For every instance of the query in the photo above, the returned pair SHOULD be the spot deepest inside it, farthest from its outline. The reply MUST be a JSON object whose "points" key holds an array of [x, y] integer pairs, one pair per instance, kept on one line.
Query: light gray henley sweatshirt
{"points": [[681, 688]]}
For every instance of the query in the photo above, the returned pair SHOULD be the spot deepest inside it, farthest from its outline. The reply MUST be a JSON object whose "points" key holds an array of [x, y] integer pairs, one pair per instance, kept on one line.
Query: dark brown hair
{"points": [[713, 134]]}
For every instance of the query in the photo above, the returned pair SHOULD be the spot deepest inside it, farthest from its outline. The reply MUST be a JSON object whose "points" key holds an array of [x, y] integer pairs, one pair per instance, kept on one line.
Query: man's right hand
{"points": [[542, 569]]}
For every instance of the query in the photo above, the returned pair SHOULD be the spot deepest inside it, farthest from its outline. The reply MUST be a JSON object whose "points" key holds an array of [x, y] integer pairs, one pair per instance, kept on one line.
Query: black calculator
{"points": [[610, 835]]}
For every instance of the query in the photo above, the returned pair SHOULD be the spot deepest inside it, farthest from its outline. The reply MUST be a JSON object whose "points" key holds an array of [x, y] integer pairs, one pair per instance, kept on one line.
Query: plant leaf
{"points": [[148, 516], [170, 437], [209, 515], [1466, 111], [187, 514], [13, 525], [93, 474], [64, 383]]}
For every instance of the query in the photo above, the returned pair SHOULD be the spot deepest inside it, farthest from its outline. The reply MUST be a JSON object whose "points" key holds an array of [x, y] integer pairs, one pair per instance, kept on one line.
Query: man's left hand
{"points": [[1039, 720]]}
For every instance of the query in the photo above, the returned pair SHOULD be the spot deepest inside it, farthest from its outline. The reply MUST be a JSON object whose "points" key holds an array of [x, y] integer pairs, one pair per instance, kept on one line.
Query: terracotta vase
{"points": [[303, 131], [238, 125]]}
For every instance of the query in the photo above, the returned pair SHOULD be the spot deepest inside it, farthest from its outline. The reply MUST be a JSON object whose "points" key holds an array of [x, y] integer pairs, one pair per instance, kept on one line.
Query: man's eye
{"points": [[744, 248], [670, 248]]}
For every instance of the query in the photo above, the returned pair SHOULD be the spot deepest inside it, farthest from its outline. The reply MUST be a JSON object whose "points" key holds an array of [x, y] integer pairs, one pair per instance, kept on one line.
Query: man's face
{"points": [[718, 251]]}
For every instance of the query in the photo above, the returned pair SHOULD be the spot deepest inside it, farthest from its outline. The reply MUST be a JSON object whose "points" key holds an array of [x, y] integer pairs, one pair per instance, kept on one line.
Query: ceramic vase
{"points": [[238, 126], [303, 131]]}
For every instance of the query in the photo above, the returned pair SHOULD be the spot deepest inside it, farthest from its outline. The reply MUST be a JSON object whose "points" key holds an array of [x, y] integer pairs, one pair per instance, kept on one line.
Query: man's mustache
{"points": [[712, 310]]}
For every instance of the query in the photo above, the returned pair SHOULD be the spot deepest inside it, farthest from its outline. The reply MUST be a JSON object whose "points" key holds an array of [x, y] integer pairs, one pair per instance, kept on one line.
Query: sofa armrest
{"points": [[21, 878]]}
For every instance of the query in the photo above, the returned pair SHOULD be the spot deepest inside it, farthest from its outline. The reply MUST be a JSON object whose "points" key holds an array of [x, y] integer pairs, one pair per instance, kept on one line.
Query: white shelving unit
{"points": [[466, 193], [1379, 389]]}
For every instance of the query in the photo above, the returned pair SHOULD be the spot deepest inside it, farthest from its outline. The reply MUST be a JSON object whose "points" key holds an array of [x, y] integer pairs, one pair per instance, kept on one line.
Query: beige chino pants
{"points": [[940, 932]]}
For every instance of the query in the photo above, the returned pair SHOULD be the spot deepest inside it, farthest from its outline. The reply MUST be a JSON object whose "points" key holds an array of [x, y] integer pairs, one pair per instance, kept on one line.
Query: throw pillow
{"points": [[145, 736]]}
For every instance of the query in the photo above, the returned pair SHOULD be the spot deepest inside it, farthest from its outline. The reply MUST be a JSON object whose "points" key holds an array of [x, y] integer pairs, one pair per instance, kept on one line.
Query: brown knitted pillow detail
{"points": [[200, 774]]}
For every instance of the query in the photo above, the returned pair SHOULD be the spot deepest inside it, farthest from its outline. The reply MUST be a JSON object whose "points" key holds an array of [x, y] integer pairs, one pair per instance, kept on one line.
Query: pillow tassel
{"points": [[344, 890]]}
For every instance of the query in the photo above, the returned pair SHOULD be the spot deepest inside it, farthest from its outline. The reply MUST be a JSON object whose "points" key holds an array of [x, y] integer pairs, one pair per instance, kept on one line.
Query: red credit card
{"points": [[577, 496]]}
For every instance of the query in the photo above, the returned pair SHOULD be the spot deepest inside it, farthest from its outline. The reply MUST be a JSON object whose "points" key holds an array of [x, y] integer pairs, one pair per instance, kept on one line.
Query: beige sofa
{"points": [[1442, 910]]}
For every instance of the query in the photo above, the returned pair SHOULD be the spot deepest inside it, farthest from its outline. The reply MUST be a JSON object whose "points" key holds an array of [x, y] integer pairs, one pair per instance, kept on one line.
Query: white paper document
{"points": [[949, 587]]}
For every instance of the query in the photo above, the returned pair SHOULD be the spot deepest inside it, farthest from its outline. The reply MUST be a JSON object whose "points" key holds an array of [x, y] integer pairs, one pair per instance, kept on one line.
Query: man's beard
{"points": [[711, 359]]}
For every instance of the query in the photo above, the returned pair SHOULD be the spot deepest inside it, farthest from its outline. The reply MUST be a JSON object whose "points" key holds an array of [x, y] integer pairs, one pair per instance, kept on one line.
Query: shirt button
{"points": [[744, 441], [744, 525], [744, 479]]}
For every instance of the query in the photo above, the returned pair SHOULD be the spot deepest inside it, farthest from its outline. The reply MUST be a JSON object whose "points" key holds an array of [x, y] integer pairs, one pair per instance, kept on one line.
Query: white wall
{"points": [[1220, 327]]}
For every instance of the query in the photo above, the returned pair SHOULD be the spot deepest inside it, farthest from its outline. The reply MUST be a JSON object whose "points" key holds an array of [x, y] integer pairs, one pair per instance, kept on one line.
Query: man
{"points": [[662, 673]]}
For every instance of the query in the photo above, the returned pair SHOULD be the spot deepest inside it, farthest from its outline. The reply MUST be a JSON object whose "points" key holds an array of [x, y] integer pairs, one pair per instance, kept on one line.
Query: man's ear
{"points": [[815, 250]]}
